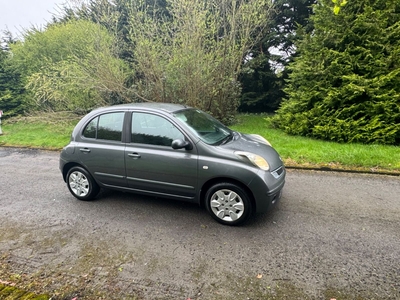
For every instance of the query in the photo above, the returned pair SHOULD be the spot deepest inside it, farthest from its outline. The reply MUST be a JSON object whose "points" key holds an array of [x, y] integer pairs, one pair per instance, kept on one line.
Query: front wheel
{"points": [[81, 184], [228, 203]]}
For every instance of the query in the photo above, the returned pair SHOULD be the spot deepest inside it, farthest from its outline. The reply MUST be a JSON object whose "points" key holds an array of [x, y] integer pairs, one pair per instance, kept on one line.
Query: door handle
{"points": [[85, 150], [134, 155]]}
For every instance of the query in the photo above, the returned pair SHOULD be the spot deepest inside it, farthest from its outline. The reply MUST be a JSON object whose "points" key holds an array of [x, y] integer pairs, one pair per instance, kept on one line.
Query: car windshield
{"points": [[208, 129]]}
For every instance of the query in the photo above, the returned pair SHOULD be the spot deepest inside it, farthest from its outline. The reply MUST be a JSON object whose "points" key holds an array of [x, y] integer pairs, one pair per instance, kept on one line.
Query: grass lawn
{"points": [[52, 131], [47, 131]]}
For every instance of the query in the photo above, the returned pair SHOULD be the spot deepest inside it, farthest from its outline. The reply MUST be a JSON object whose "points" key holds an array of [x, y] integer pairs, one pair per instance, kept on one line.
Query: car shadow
{"points": [[150, 207]]}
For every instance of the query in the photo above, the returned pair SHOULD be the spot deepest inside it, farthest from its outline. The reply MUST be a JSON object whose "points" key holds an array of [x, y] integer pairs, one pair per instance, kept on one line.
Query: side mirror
{"points": [[180, 144]]}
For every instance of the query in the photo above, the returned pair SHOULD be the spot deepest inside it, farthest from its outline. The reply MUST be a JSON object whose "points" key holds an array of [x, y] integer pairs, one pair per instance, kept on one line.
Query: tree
{"points": [[182, 51], [262, 85], [71, 66], [194, 54], [12, 91], [263, 77], [112, 15], [345, 85]]}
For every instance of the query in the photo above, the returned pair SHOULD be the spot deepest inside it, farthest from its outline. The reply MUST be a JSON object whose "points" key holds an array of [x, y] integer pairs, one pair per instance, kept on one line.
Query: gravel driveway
{"points": [[333, 235]]}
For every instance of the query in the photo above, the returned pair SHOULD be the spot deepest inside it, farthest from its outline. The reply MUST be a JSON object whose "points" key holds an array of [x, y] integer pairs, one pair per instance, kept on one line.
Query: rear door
{"points": [[102, 150], [152, 166]]}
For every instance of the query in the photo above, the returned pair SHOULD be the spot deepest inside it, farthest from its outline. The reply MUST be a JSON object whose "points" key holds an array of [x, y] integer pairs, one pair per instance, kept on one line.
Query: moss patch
{"points": [[14, 293]]}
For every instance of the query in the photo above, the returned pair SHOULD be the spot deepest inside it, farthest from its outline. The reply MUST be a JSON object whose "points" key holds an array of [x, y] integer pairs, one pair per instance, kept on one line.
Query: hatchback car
{"points": [[173, 151]]}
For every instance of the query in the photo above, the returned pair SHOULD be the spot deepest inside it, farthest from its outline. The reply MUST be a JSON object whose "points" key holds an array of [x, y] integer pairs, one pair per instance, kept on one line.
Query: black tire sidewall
{"points": [[93, 187], [237, 189]]}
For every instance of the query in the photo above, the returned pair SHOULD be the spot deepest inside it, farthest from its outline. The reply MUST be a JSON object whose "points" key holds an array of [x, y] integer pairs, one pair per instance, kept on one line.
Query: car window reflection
{"points": [[105, 127], [153, 130]]}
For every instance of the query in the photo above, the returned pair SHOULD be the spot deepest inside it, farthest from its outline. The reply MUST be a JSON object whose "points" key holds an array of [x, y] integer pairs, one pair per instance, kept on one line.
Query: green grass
{"points": [[52, 131], [49, 131]]}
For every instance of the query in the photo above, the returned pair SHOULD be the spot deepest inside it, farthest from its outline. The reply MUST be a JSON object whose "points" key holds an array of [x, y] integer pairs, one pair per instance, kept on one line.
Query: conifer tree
{"points": [[345, 85], [12, 91], [264, 74]]}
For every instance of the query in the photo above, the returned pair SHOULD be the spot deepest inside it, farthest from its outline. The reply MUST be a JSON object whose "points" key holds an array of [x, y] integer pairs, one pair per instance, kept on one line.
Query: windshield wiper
{"points": [[226, 139]]}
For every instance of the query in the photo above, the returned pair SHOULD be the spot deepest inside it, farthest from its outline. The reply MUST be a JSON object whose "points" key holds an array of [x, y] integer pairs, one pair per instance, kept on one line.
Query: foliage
{"points": [[181, 51], [262, 78], [261, 85], [345, 85], [264, 75], [12, 91], [112, 15], [71, 66], [338, 5], [193, 55]]}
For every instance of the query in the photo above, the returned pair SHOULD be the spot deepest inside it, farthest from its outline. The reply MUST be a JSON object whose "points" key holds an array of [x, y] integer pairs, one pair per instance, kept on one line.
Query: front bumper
{"points": [[267, 189]]}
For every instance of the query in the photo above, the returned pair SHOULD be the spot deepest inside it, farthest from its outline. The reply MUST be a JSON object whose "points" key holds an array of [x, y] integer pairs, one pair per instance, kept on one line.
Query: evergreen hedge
{"points": [[345, 84]]}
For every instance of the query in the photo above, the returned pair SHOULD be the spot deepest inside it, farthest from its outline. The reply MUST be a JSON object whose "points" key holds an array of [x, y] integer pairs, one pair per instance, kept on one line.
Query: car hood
{"points": [[254, 144]]}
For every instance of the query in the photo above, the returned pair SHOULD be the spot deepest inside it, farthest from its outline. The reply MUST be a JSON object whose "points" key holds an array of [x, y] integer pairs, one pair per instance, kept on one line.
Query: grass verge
{"points": [[46, 131], [52, 131]]}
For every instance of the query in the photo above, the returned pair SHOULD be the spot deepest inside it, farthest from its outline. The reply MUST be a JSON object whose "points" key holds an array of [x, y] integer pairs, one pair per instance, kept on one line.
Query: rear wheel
{"points": [[228, 203], [81, 184]]}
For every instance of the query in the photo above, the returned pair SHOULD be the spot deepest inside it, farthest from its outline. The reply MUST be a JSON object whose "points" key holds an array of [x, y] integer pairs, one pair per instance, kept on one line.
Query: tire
{"points": [[228, 203], [81, 184]]}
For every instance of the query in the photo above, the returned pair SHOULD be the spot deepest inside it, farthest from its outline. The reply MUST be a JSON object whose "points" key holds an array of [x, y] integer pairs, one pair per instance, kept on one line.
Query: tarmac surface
{"points": [[333, 235]]}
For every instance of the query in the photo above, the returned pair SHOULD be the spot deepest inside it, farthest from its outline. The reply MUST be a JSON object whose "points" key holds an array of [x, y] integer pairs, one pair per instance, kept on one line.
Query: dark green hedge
{"points": [[345, 85]]}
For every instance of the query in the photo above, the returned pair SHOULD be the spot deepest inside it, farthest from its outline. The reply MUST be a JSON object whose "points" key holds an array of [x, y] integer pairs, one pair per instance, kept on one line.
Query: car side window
{"points": [[105, 127], [90, 130], [153, 130]]}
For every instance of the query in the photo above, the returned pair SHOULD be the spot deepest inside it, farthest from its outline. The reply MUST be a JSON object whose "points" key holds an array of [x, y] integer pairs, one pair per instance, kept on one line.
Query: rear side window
{"points": [[105, 127], [91, 129]]}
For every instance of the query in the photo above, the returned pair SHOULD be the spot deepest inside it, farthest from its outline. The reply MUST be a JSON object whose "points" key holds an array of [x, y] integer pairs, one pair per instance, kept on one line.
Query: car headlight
{"points": [[255, 159]]}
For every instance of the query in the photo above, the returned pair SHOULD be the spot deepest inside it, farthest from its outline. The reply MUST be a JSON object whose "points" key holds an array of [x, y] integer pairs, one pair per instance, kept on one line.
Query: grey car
{"points": [[173, 151]]}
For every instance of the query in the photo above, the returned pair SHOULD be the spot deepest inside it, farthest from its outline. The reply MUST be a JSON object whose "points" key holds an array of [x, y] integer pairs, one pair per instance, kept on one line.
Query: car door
{"points": [[152, 166], [102, 150]]}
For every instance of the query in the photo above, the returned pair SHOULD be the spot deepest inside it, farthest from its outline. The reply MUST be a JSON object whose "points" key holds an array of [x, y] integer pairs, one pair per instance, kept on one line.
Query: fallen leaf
{"points": [[259, 276]]}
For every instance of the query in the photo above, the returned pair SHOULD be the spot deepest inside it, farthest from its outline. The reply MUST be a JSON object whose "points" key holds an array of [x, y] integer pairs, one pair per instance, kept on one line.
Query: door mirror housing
{"points": [[180, 144]]}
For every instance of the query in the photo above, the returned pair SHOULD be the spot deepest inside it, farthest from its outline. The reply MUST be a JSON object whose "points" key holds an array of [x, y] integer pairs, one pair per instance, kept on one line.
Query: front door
{"points": [[152, 166]]}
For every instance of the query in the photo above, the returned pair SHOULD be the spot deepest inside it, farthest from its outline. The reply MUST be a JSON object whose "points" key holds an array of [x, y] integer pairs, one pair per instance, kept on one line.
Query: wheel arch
{"points": [[68, 167], [213, 181]]}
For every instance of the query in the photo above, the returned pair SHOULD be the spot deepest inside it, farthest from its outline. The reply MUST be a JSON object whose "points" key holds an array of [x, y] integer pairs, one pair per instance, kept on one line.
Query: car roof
{"points": [[155, 106]]}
